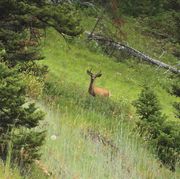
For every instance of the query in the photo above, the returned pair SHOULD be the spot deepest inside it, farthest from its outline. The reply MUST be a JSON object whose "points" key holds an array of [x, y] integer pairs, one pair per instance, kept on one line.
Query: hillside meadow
{"points": [[95, 137]]}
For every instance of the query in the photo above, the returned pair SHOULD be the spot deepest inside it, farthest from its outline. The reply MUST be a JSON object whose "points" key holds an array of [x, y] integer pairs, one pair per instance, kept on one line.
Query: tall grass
{"points": [[93, 138], [7, 170]]}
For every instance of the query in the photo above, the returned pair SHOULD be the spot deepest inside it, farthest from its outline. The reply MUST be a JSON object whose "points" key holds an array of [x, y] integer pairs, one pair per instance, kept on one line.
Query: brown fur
{"points": [[94, 91], [101, 91]]}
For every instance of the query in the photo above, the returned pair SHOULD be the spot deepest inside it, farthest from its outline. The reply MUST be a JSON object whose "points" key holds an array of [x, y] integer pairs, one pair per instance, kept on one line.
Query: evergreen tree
{"points": [[165, 136], [22, 22], [148, 109], [168, 144], [17, 120]]}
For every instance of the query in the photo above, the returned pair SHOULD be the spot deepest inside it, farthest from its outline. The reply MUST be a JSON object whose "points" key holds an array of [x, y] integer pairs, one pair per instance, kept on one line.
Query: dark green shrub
{"points": [[148, 105], [176, 106], [164, 136], [18, 119], [168, 144]]}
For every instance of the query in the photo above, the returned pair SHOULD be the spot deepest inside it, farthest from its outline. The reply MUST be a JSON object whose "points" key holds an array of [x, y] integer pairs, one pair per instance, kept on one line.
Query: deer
{"points": [[96, 91]]}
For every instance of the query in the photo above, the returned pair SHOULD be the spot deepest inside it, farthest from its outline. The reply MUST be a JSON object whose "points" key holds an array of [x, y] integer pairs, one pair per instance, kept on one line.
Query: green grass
{"points": [[77, 153], [7, 172], [72, 113], [69, 63]]}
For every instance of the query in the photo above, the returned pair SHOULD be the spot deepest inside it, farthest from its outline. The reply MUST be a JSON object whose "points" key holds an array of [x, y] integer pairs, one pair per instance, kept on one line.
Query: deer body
{"points": [[94, 91]]}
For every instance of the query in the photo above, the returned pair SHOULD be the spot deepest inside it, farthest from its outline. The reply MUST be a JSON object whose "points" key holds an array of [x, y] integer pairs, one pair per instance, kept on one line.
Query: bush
{"points": [[34, 86], [168, 144], [18, 119], [34, 69], [152, 124], [34, 76]]}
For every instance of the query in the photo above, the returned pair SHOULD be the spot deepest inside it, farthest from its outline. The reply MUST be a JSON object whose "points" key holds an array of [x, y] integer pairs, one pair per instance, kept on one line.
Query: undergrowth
{"points": [[93, 137], [7, 172]]}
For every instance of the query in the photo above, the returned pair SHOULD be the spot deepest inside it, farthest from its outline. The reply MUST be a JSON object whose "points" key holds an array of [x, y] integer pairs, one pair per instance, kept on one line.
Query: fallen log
{"points": [[132, 51]]}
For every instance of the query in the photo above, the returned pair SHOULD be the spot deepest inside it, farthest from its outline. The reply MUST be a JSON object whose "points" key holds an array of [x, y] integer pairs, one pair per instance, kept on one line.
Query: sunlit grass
{"points": [[69, 63], [93, 138], [70, 150], [78, 151], [7, 172]]}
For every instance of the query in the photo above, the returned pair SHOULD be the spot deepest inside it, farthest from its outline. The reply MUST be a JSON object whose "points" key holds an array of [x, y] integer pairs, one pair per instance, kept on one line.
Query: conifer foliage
{"points": [[148, 109], [18, 120], [165, 136], [22, 23]]}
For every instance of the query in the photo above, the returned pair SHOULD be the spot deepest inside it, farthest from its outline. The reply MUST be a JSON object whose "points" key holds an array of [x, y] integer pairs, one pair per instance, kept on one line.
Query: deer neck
{"points": [[91, 88]]}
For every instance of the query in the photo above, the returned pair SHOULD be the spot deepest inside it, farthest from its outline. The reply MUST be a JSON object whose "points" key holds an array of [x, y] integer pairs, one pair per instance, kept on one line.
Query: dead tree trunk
{"points": [[133, 52]]}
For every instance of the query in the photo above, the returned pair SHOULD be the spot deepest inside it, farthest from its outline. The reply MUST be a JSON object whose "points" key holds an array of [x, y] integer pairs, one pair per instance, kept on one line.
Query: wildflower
{"points": [[53, 137]]}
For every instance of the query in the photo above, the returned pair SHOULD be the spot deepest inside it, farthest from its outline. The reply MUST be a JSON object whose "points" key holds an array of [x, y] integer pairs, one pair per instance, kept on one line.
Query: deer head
{"points": [[94, 76], [95, 90]]}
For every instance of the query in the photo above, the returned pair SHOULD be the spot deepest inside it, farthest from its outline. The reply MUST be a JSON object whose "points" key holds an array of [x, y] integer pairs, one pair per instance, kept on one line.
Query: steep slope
{"points": [[124, 79], [93, 137], [74, 149]]}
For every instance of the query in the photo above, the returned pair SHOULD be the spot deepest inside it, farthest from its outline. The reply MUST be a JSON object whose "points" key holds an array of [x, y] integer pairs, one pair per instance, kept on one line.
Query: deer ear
{"points": [[99, 75], [88, 72]]}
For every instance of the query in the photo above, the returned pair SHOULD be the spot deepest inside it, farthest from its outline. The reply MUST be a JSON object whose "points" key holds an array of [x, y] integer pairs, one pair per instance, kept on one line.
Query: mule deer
{"points": [[95, 90]]}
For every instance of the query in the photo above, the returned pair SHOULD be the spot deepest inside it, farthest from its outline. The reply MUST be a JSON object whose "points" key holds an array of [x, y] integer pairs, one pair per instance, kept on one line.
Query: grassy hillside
{"points": [[82, 150], [93, 137], [124, 79]]}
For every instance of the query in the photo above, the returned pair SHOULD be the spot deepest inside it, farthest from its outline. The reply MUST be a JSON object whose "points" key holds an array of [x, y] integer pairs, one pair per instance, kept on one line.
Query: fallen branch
{"points": [[132, 51]]}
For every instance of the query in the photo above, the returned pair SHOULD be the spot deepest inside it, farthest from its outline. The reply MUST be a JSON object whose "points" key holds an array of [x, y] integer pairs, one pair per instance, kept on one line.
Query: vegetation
{"points": [[88, 137], [22, 23], [93, 134], [175, 88], [153, 125], [78, 112], [176, 105], [18, 120], [21, 29], [7, 172]]}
